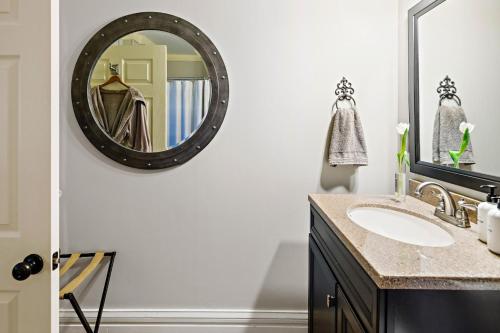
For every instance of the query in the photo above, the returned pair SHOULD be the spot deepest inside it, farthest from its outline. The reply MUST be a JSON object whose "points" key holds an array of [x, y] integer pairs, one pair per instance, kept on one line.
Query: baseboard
{"points": [[189, 321]]}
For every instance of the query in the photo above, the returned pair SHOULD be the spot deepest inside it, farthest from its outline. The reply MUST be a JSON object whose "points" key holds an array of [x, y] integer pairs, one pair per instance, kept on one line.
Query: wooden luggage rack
{"points": [[67, 291]]}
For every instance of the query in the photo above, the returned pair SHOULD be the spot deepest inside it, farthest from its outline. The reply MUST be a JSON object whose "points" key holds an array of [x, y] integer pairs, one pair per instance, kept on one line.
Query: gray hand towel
{"points": [[347, 144], [447, 135]]}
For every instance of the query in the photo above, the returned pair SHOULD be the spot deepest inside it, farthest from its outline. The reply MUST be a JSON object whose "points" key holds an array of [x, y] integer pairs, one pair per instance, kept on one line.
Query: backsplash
{"points": [[431, 199]]}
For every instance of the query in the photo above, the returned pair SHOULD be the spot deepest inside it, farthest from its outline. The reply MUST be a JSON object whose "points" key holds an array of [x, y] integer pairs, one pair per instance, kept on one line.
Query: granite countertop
{"points": [[466, 264]]}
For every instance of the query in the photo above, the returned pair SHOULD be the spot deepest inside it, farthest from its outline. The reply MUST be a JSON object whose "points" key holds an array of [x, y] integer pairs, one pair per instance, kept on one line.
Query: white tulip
{"points": [[464, 126], [402, 127]]}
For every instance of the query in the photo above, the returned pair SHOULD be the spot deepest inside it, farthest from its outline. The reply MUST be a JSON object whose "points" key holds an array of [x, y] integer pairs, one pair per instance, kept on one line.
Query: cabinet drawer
{"points": [[360, 290]]}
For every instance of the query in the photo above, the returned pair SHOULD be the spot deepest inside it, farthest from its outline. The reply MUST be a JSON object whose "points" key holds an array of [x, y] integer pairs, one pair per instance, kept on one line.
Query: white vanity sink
{"points": [[400, 226]]}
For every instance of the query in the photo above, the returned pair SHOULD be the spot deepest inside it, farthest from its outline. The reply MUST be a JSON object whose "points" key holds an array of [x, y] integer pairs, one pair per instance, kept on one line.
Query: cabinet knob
{"points": [[330, 301]]}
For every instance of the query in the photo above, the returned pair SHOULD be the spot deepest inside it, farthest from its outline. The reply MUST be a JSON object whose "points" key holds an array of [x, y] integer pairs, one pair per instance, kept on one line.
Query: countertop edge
{"points": [[405, 282], [360, 259]]}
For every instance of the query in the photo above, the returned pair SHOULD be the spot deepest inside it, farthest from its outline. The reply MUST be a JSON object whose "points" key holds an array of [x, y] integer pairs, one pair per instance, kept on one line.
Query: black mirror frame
{"points": [[469, 179], [80, 90]]}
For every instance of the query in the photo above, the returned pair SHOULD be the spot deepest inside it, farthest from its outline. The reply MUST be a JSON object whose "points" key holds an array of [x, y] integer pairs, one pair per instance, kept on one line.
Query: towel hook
{"points": [[447, 90], [114, 69], [344, 92]]}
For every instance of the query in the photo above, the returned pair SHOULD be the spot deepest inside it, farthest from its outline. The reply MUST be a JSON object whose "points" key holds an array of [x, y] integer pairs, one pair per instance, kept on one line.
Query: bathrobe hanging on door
{"points": [[123, 115]]}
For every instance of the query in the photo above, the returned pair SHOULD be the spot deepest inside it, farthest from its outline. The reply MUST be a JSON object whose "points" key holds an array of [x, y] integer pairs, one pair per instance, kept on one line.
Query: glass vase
{"points": [[400, 183]]}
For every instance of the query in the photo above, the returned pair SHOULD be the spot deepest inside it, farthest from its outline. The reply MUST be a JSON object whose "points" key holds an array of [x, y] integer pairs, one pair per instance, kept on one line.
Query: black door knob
{"points": [[32, 264]]}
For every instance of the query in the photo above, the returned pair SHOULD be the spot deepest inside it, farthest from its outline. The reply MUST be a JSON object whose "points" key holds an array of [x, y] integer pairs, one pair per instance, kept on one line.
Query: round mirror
{"points": [[150, 90]]}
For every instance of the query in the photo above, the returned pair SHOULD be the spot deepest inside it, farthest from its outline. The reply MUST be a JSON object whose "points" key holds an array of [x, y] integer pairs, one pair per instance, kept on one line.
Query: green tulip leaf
{"points": [[407, 158], [455, 155], [402, 155], [465, 141]]}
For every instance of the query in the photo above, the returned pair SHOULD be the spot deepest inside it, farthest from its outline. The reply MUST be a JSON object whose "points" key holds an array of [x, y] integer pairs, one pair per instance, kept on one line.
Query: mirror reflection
{"points": [[150, 91], [458, 54]]}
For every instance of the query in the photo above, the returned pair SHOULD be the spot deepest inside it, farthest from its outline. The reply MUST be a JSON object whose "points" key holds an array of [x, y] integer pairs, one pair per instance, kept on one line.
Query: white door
{"points": [[29, 179], [143, 67]]}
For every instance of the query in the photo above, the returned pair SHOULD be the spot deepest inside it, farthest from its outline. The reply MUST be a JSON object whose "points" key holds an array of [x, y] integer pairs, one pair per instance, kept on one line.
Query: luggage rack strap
{"points": [[75, 283], [71, 261]]}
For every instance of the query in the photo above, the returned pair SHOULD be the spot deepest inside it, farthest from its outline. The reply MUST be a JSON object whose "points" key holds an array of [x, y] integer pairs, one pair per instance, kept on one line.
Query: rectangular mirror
{"points": [[454, 59]]}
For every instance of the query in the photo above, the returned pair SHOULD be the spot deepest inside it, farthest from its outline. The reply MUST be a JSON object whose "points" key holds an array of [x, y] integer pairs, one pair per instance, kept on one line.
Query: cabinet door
{"points": [[321, 293], [347, 322]]}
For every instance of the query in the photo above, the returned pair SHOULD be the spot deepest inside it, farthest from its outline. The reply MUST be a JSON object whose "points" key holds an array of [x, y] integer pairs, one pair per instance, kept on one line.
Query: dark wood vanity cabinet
{"points": [[322, 295], [329, 309], [347, 320], [341, 295], [344, 299]]}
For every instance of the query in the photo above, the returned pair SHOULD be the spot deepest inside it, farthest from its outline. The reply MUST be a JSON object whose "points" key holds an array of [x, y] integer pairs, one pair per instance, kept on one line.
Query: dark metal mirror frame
{"points": [[464, 178], [80, 90]]}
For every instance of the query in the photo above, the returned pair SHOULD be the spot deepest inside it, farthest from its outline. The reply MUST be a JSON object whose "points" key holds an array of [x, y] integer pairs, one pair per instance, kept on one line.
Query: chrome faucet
{"points": [[446, 209]]}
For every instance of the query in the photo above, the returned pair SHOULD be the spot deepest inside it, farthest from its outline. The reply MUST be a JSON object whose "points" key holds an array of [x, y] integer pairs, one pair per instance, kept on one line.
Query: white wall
{"points": [[228, 230]]}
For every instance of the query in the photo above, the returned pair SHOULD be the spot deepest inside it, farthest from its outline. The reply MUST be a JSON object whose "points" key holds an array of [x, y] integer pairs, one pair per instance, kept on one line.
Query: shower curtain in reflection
{"points": [[188, 102]]}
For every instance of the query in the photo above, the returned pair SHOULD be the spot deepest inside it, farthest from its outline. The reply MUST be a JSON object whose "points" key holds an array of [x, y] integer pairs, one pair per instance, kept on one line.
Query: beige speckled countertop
{"points": [[466, 264]]}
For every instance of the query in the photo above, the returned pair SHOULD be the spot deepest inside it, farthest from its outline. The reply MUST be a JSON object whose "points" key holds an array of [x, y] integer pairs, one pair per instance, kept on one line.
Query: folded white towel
{"points": [[447, 135], [347, 144]]}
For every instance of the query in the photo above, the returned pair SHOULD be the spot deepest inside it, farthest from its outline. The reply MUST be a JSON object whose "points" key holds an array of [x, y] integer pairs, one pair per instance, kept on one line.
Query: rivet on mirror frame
{"points": [[102, 35], [86, 53], [176, 160], [126, 21], [214, 127], [198, 147], [76, 79], [223, 77], [102, 147], [198, 33], [150, 17], [148, 164], [124, 159], [77, 102], [223, 101], [85, 127], [176, 21], [214, 52]]}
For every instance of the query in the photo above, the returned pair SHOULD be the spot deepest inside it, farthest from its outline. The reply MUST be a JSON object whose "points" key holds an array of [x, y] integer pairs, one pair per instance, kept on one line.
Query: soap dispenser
{"points": [[482, 212], [493, 224]]}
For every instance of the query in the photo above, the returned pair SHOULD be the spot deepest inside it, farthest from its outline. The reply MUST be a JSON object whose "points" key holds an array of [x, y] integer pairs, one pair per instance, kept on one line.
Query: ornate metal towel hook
{"points": [[344, 91], [447, 90], [114, 68]]}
